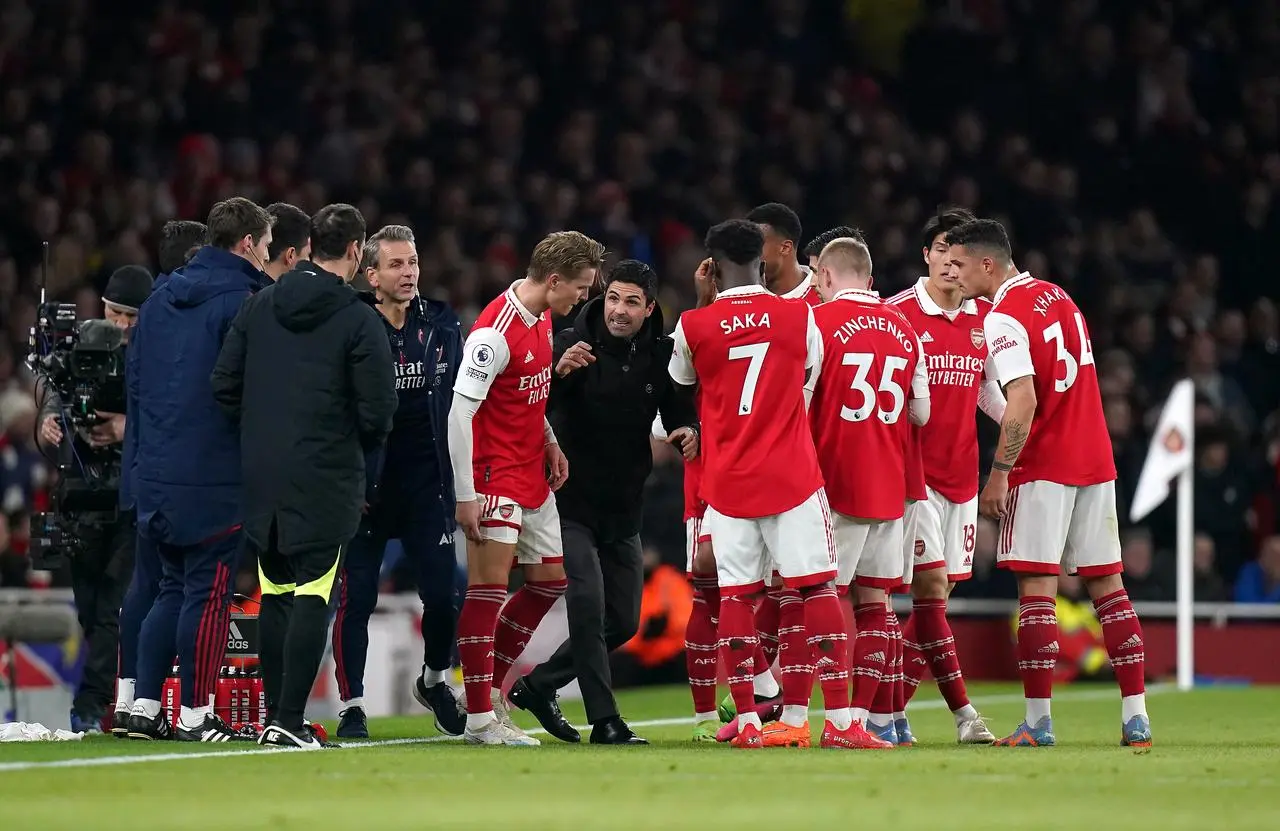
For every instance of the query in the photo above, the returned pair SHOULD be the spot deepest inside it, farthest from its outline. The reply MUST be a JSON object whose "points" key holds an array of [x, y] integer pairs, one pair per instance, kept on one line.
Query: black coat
{"points": [[307, 373], [603, 416]]}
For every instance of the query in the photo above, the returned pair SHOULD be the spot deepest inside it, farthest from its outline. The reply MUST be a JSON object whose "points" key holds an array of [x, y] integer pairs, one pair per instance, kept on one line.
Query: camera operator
{"points": [[102, 559]]}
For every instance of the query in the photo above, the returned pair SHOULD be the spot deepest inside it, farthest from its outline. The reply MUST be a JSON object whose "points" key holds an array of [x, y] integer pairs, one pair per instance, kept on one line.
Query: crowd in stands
{"points": [[1132, 148]]}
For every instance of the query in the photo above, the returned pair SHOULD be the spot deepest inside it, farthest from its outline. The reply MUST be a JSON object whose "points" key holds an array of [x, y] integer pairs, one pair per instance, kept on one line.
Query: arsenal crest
{"points": [[977, 338], [422, 337], [1174, 441], [919, 548], [506, 511]]}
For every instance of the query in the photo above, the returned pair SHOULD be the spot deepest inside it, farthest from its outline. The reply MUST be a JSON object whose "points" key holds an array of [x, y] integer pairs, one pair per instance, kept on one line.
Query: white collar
{"points": [[742, 291], [1020, 278], [857, 296], [802, 288], [530, 319], [969, 307]]}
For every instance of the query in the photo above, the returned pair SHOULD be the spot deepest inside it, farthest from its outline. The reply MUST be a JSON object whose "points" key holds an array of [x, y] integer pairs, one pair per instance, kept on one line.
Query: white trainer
{"points": [[974, 731], [494, 732], [503, 714]]}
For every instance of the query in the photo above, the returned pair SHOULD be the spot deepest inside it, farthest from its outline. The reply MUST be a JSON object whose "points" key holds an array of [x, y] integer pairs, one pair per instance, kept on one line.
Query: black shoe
{"points": [[545, 710], [353, 724], [120, 724], [450, 718], [150, 729], [614, 731], [214, 729], [303, 738]]}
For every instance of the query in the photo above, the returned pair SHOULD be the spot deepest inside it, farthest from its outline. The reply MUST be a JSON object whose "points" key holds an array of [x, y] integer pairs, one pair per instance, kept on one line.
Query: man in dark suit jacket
{"points": [[610, 381]]}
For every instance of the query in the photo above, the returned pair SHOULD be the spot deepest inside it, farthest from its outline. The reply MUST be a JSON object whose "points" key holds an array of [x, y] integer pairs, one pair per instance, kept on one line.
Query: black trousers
{"points": [[606, 580], [100, 576], [293, 622]]}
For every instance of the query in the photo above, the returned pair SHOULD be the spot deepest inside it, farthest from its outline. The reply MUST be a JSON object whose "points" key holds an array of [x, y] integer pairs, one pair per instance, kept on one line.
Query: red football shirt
{"points": [[751, 352], [506, 365], [956, 354], [870, 363], [1035, 328]]}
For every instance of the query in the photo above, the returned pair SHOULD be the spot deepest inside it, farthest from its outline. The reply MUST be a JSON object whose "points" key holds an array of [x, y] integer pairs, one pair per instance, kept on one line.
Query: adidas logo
{"points": [[528, 357], [1133, 642], [926, 338], [968, 559], [1051, 648], [875, 658], [235, 640]]}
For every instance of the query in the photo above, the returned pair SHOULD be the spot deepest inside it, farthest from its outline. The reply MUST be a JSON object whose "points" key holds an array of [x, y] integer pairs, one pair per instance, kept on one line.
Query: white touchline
{"points": [[108, 761]]}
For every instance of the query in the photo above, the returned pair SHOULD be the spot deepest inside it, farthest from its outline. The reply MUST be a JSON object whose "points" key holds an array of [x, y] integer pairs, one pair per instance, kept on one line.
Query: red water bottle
{"points": [[233, 697], [259, 696], [246, 697], [171, 697], [222, 696]]}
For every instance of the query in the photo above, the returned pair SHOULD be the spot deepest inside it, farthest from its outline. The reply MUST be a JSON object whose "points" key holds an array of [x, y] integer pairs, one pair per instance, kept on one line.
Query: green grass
{"points": [[1216, 763]]}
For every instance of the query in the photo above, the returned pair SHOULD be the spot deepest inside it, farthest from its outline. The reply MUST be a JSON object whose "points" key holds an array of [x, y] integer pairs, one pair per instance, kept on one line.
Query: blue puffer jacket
{"points": [[186, 451]]}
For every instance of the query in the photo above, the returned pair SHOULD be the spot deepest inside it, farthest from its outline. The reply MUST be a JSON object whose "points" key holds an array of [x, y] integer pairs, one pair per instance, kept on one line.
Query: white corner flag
{"points": [[1171, 455], [1170, 452]]}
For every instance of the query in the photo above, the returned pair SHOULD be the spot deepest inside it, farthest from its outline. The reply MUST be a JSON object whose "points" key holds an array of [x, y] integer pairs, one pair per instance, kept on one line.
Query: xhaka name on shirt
{"points": [[747, 321], [953, 370], [1046, 299], [854, 325], [539, 386]]}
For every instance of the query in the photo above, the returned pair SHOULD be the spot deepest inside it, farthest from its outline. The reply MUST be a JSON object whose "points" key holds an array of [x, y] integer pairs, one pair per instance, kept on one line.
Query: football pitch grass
{"points": [[1215, 764]]}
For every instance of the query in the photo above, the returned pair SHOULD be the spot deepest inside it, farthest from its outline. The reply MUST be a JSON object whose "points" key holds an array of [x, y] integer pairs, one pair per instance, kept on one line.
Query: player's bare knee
{"points": [[704, 560], [488, 563], [930, 584], [549, 573], [1037, 585], [863, 595], [1103, 585]]}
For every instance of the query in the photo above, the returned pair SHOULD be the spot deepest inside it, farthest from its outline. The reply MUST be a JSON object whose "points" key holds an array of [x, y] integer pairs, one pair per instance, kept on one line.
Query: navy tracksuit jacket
{"points": [[410, 496]]}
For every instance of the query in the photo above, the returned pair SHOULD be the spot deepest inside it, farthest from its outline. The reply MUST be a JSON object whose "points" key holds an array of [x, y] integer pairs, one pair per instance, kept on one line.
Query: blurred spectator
{"points": [[1223, 494], [1209, 585], [1259, 581], [1146, 576]]}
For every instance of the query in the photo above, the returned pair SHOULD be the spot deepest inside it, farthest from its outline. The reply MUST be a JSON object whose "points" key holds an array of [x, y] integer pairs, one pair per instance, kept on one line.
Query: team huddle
{"points": [[838, 457]]}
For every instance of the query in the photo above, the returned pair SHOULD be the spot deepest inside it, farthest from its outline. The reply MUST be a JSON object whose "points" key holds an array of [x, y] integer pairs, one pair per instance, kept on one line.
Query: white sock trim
{"points": [[124, 694], [765, 685], [1037, 708]]}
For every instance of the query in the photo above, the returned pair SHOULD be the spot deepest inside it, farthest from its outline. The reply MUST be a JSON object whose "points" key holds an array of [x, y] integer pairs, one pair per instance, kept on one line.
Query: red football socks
{"points": [[1037, 645], [767, 623], [870, 656], [934, 639], [828, 644], [521, 616], [738, 641], [795, 658], [700, 644], [1122, 634], [476, 624]]}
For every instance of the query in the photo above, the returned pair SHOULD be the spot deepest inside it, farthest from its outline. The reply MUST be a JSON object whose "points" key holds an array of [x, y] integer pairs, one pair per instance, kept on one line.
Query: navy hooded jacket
{"points": [[186, 451], [428, 351]]}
